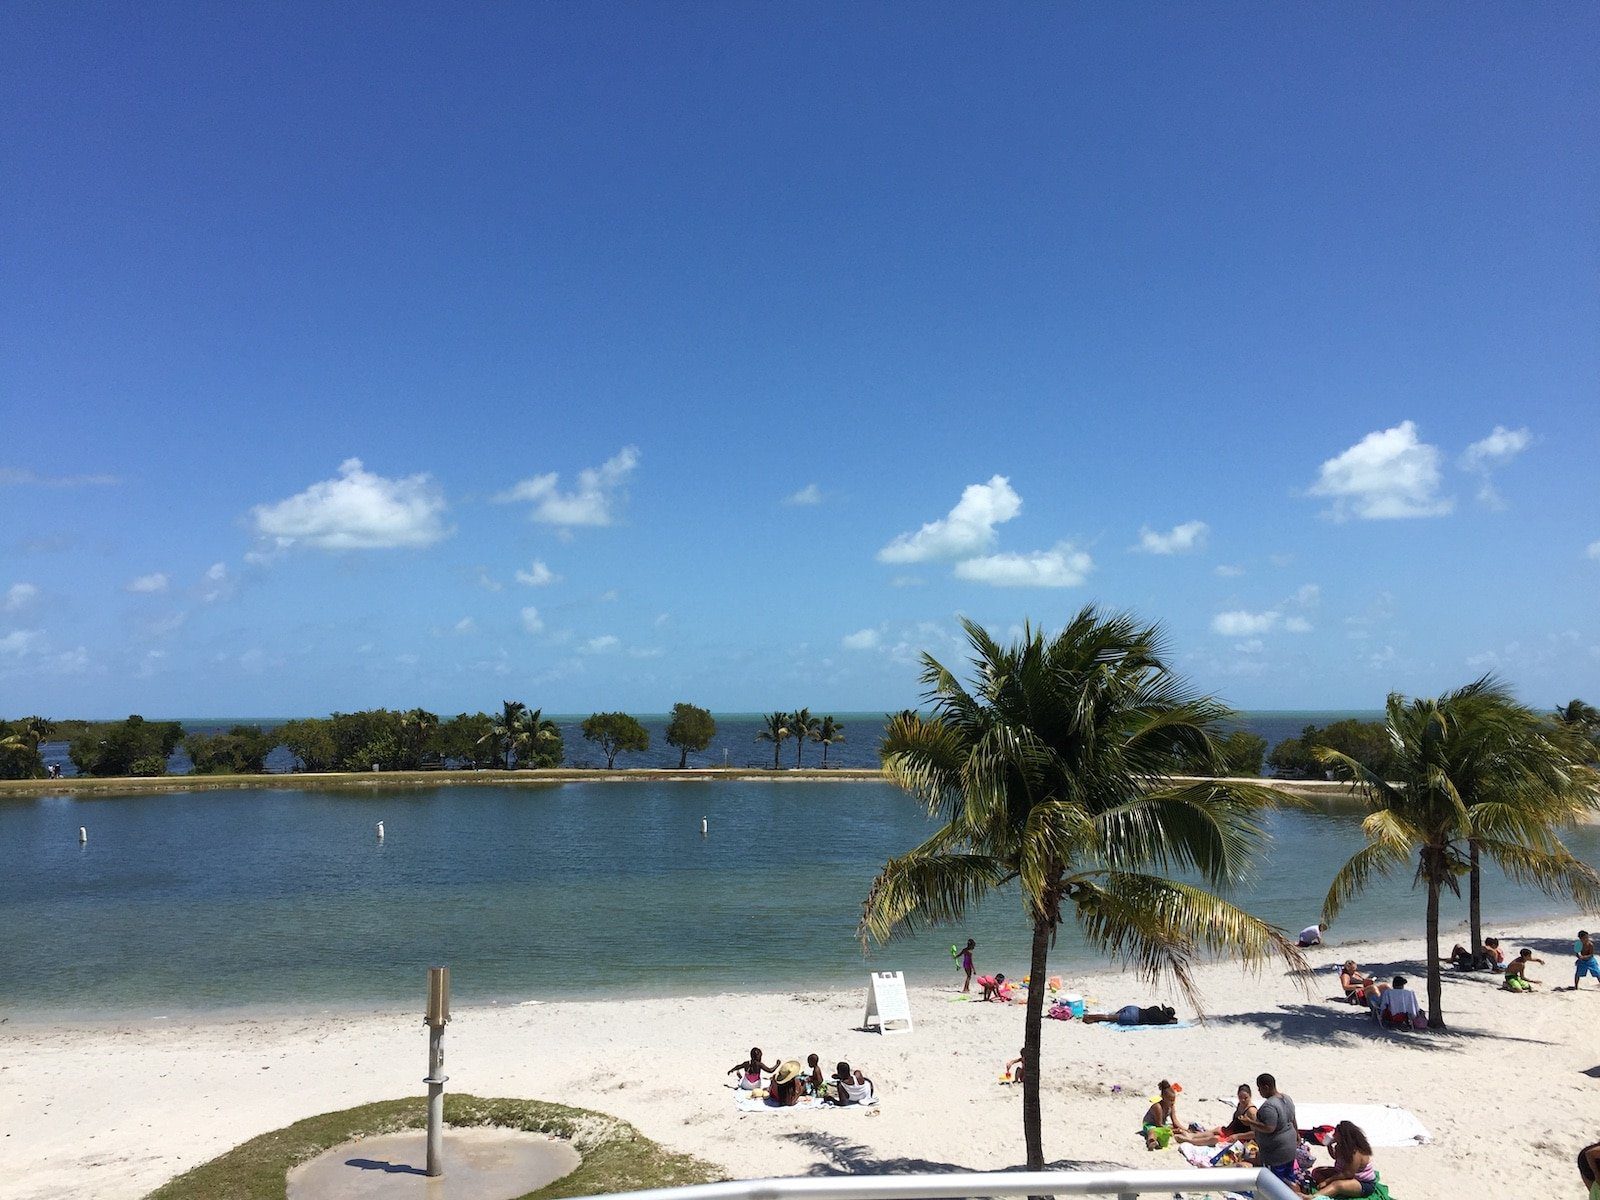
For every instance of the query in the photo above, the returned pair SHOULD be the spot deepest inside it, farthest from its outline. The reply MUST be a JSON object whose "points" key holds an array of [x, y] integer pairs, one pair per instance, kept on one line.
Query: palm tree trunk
{"points": [[799, 744], [776, 747], [824, 753], [1435, 977], [1032, 1122], [1475, 898]]}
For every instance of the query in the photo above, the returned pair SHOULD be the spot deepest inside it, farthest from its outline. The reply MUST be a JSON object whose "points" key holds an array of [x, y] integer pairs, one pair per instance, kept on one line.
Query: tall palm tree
{"points": [[1054, 772], [777, 729], [802, 728], [829, 732], [416, 727], [509, 730], [1463, 776], [541, 734]]}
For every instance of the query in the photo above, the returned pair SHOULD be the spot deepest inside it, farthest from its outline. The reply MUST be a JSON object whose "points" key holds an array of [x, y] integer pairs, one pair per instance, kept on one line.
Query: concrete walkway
{"points": [[479, 1164]]}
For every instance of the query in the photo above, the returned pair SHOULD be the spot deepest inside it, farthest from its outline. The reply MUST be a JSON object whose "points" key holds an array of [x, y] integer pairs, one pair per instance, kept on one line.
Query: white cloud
{"points": [[593, 502], [861, 639], [1227, 570], [19, 596], [215, 584], [661, 619], [148, 585], [1180, 539], [20, 642], [1251, 646], [466, 625], [1239, 623], [1297, 625], [357, 511], [602, 644], [1486, 454], [966, 530], [905, 581], [1594, 550], [645, 652], [1308, 595], [810, 494], [1061, 566], [532, 622], [1386, 475], [1501, 446], [538, 575], [488, 582]]}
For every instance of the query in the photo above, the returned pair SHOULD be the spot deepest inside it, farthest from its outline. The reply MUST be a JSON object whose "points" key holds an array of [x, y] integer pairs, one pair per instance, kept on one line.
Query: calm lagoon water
{"points": [[284, 898]]}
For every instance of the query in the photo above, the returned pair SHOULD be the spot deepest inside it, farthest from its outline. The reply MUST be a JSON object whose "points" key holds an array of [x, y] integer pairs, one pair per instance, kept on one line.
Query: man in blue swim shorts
{"points": [[1587, 962]]}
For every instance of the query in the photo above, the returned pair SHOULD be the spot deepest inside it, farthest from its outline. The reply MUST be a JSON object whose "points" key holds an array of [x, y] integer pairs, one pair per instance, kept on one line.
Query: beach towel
{"points": [[1384, 1124], [1200, 1156], [751, 1105], [1145, 1028]]}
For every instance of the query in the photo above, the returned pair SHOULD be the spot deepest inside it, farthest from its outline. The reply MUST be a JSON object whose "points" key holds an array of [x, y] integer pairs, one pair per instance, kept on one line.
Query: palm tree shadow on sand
{"points": [[1315, 1024], [845, 1157]]}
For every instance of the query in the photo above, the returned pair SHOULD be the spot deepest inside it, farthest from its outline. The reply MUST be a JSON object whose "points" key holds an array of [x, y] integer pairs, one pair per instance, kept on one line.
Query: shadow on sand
{"points": [[844, 1157], [1346, 1025]]}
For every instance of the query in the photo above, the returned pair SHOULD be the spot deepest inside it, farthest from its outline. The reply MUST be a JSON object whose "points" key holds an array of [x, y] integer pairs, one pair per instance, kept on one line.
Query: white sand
{"points": [[112, 1110]]}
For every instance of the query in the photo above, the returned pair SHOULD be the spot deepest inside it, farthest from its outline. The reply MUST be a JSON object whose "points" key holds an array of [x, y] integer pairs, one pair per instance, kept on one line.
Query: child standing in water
{"points": [[966, 963]]}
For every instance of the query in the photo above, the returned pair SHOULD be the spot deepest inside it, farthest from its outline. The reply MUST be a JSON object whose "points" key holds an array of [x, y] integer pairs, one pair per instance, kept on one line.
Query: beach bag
{"points": [[1419, 1022]]}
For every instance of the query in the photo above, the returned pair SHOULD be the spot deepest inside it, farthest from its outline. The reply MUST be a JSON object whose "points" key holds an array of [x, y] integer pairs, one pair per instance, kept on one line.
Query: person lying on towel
{"points": [[1132, 1014]]}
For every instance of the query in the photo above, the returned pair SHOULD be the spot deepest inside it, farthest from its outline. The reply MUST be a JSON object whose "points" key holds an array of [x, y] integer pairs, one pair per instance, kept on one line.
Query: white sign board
{"points": [[888, 1006]]}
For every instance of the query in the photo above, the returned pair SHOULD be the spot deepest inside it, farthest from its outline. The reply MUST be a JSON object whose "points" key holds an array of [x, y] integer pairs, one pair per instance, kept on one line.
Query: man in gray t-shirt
{"points": [[1277, 1134]]}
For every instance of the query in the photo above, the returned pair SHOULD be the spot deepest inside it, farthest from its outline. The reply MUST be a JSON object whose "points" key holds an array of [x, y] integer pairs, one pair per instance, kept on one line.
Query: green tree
{"points": [[118, 747], [828, 732], [19, 747], [509, 732], [546, 746], [776, 731], [382, 752], [1237, 753], [690, 730], [802, 728], [1292, 758], [1464, 772], [242, 750], [615, 732], [462, 739], [417, 728], [311, 742], [1053, 772]]}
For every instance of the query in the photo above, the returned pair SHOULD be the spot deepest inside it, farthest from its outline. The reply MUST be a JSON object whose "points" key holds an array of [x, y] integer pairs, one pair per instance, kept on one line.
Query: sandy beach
{"points": [[110, 1110]]}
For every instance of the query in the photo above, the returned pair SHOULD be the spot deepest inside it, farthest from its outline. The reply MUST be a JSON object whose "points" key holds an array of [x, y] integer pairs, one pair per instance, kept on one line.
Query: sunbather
{"points": [[1132, 1014], [751, 1070], [1358, 988], [850, 1087], [1490, 958], [1352, 1172], [1397, 1005], [1238, 1128], [785, 1089]]}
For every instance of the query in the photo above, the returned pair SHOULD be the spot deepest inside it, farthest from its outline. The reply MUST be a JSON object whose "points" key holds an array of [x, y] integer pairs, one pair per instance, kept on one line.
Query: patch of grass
{"points": [[616, 1157]]}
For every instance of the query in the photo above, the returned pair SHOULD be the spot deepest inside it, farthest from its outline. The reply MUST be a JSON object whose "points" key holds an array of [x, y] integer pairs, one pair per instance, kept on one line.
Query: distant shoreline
{"points": [[540, 777]]}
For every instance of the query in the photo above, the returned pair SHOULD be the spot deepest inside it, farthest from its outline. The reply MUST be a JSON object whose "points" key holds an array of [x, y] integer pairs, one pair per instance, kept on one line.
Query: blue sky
{"points": [[614, 355]]}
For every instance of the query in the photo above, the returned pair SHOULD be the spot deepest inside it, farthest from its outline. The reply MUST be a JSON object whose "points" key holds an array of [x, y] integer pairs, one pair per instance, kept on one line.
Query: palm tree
{"points": [[1054, 772], [777, 729], [829, 732], [509, 729], [1466, 776], [540, 732], [416, 727], [802, 727]]}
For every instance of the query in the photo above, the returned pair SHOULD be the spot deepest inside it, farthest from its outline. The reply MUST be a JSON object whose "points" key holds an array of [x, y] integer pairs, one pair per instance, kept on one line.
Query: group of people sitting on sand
{"points": [[785, 1083], [1585, 956], [1266, 1135]]}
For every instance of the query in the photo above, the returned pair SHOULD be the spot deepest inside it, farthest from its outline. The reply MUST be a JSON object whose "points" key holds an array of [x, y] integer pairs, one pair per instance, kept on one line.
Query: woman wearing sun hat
{"points": [[785, 1092]]}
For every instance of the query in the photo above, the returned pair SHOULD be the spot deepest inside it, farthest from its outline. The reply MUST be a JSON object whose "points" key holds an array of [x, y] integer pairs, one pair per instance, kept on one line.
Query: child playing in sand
{"points": [[965, 959], [1586, 961], [1014, 1069], [994, 988], [1161, 1118], [1517, 972]]}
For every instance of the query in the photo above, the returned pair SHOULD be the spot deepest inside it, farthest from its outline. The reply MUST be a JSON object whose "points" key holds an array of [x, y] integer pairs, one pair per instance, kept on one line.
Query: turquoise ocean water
{"points": [[285, 899]]}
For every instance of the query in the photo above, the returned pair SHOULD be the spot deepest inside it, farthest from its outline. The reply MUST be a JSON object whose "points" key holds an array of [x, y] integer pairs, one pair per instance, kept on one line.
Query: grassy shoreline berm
{"points": [[542, 777], [616, 1157]]}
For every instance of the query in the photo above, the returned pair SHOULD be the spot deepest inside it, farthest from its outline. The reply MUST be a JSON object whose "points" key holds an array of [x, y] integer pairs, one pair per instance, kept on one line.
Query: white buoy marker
{"points": [[703, 827], [380, 831], [83, 836]]}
